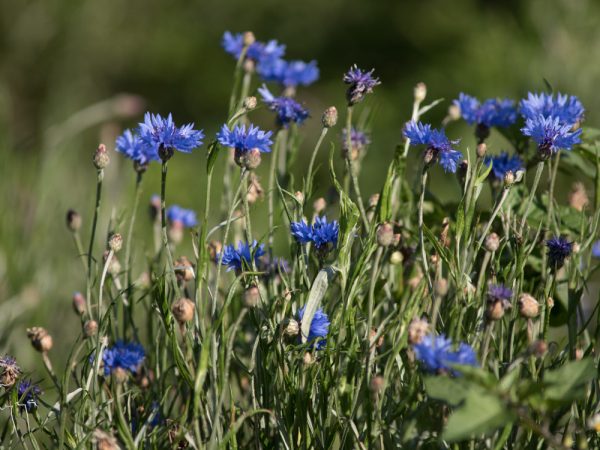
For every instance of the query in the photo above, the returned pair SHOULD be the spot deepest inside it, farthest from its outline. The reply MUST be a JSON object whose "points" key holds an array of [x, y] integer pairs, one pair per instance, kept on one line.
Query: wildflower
{"points": [[130, 145], [73, 220], [361, 83], [40, 339], [9, 371], [578, 198], [439, 147], [177, 215], [559, 249], [436, 354], [289, 73], [550, 134], [258, 52], [358, 141], [491, 113], [28, 394], [163, 137], [567, 109], [243, 255], [288, 110], [101, 159], [244, 140], [498, 300], [596, 249], [126, 356], [321, 234], [502, 164], [319, 327]]}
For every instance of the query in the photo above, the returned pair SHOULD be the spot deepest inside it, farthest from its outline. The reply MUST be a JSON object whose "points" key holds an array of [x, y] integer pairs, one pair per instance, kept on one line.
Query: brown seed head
{"points": [[40, 339]]}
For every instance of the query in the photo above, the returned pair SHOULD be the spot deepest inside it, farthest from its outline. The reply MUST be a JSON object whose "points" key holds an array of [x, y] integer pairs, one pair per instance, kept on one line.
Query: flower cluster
{"points": [[490, 113], [288, 110], [502, 164], [361, 83], [242, 256], [439, 147], [289, 74], [245, 139], [128, 356], [568, 109], [259, 52], [322, 234], [437, 355], [179, 216], [319, 327], [559, 249], [28, 394]]}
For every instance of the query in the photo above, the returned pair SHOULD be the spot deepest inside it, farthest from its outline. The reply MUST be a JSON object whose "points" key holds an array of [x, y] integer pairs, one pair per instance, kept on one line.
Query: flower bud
{"points": [[248, 159], [251, 296], [214, 248], [496, 307], [578, 198], [248, 38], [576, 248], [481, 150], [101, 158], [429, 156], [115, 242], [90, 328], [119, 375], [184, 270], [319, 205], [440, 287], [73, 220], [417, 330], [40, 339], [420, 92], [373, 200], [299, 196], [79, 304], [330, 117], [528, 306], [105, 441], [175, 232], [538, 348], [308, 359], [396, 258], [290, 327], [183, 310], [249, 103], [385, 234], [492, 242], [454, 112], [509, 178]]}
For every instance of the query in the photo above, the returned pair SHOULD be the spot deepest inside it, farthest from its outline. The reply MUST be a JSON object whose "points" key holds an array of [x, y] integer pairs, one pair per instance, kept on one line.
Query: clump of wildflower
{"points": [[322, 234], [491, 113], [567, 109], [551, 135], [163, 137], [132, 146], [559, 249], [28, 394], [288, 110], [242, 256], [319, 327], [498, 300], [502, 164], [127, 356], [9, 371], [439, 147], [248, 144], [289, 74], [360, 84], [257, 52], [358, 141], [436, 354]]}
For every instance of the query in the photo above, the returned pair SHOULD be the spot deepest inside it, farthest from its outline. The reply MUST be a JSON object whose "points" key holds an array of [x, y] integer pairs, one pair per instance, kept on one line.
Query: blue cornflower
{"points": [[490, 113], [178, 215], [123, 355], [162, 135], [358, 139], [596, 249], [499, 292], [288, 110], [550, 134], [568, 109], [436, 354], [289, 73], [361, 83], [322, 234], [258, 52], [319, 327], [243, 139], [9, 371], [237, 258], [135, 149], [436, 142], [504, 163], [559, 249], [28, 394]]}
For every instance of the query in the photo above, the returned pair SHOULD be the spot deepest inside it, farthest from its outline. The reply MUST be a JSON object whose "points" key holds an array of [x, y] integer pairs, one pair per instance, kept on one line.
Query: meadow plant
{"points": [[394, 320]]}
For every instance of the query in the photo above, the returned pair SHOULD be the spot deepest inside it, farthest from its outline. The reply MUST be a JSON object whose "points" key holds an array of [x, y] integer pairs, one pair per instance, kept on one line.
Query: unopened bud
{"points": [[417, 330], [492, 242], [250, 103], [454, 112], [396, 258], [441, 287], [248, 38], [90, 328], [79, 304], [373, 200], [105, 441], [183, 310], [495, 310], [214, 248], [184, 270], [509, 178], [119, 375], [40, 339], [73, 220], [299, 196], [101, 158], [290, 327], [420, 92], [308, 359], [115, 242], [249, 159], [538, 348], [385, 234], [251, 296], [481, 150], [528, 306], [330, 117], [319, 205], [576, 248], [578, 198]]}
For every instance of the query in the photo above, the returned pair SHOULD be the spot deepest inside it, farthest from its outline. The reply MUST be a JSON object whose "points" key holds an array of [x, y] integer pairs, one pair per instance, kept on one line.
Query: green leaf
{"points": [[212, 156], [485, 174], [451, 390], [568, 382]]}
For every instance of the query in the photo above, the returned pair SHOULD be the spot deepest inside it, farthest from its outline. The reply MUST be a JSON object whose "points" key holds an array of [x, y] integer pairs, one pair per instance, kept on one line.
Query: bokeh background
{"points": [[73, 74]]}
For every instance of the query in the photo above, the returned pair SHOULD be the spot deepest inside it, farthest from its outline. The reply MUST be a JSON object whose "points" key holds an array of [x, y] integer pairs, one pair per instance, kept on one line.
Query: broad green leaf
{"points": [[567, 382]]}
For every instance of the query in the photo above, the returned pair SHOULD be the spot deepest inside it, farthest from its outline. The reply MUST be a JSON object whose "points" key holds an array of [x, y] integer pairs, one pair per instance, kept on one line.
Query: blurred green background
{"points": [[72, 74]]}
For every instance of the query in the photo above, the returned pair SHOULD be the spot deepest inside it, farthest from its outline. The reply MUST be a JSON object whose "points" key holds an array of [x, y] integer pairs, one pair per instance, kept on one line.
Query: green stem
{"points": [[536, 181], [309, 176], [497, 209], [351, 170], [88, 287], [165, 236], [421, 235]]}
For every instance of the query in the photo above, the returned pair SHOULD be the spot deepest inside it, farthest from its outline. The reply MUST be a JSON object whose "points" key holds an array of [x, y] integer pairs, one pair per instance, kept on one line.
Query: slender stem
{"points": [[550, 211], [247, 221], [309, 175], [102, 279], [536, 181], [163, 222], [281, 135], [123, 425], [100, 177], [497, 209], [136, 202], [421, 236], [351, 170]]}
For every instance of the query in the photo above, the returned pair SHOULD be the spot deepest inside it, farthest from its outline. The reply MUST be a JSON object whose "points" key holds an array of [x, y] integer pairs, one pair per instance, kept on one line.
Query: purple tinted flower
{"points": [[504, 163], [185, 217], [550, 134], [135, 149], [289, 73], [236, 258], [258, 52], [361, 83], [436, 354], [559, 249], [127, 356], [568, 109], [490, 113], [596, 249], [499, 292], [319, 327], [288, 110], [159, 133], [243, 139], [275, 267], [358, 139], [28, 394], [436, 141], [321, 234]]}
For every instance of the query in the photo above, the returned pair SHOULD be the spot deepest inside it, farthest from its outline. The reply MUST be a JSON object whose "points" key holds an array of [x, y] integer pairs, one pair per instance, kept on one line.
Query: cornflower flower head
{"points": [[550, 134], [289, 74], [437, 355], [491, 113], [179, 216], [245, 139], [288, 110], [360, 84], [319, 327], [163, 137], [28, 394], [9, 371], [499, 292], [559, 249], [568, 109], [242, 256], [439, 147], [358, 141], [502, 164], [322, 234], [132, 146], [126, 356], [258, 52]]}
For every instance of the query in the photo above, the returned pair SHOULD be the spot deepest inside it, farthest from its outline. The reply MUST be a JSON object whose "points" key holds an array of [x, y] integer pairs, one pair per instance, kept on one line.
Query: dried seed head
{"points": [[396, 258], [319, 205], [79, 304], [73, 220], [441, 287], [105, 441], [183, 310], [290, 327], [40, 339], [417, 330], [249, 38], [481, 150], [184, 270], [420, 92], [90, 328], [330, 117], [249, 103], [492, 242], [385, 234], [101, 158], [249, 159], [251, 296], [528, 306], [578, 197], [255, 190], [115, 242], [9, 371]]}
